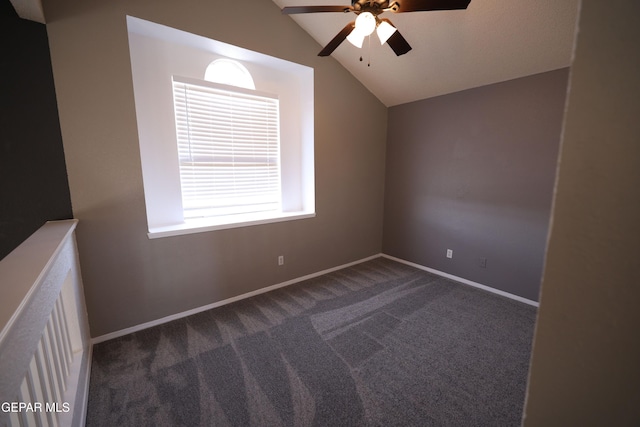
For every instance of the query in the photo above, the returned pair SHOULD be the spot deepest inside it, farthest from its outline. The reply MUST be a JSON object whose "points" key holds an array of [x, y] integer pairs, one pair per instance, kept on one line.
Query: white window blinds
{"points": [[228, 146]]}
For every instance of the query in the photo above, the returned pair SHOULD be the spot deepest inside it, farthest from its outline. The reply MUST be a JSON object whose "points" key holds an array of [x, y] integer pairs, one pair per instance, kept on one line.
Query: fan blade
{"points": [[398, 43], [339, 38], [290, 10], [427, 5]]}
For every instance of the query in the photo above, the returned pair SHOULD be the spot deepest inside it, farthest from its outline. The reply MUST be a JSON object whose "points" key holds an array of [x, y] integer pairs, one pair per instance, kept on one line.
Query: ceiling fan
{"points": [[368, 20]]}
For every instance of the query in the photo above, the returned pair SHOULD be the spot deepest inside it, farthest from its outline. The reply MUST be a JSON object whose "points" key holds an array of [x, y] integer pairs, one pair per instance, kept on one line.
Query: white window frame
{"points": [[157, 53]]}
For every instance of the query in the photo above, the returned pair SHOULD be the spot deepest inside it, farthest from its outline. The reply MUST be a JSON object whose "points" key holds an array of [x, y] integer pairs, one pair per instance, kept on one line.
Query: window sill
{"points": [[202, 225]]}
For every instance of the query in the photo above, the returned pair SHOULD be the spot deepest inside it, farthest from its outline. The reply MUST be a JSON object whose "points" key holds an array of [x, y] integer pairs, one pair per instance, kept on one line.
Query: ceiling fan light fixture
{"points": [[384, 31], [356, 38], [367, 20], [364, 26], [365, 23]]}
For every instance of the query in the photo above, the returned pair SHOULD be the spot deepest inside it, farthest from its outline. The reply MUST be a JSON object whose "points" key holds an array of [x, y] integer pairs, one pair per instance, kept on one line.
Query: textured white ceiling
{"points": [[491, 41]]}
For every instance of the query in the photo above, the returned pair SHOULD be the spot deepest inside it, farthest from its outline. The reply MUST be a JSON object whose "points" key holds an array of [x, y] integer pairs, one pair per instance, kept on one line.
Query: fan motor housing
{"points": [[375, 7]]}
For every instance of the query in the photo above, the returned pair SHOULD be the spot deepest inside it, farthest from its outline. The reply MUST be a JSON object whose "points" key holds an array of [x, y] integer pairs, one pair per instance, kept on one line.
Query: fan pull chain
{"points": [[368, 52]]}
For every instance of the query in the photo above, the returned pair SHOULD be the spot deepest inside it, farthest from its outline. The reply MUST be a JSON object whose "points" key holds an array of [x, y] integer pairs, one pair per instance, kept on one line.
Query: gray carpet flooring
{"points": [[376, 344]]}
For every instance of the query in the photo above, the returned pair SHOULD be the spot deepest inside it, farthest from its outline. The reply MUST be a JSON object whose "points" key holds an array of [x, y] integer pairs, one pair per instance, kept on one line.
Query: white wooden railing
{"points": [[44, 341]]}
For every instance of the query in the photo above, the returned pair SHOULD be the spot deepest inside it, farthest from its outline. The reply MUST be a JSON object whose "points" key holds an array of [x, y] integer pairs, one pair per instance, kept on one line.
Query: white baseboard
{"points": [[197, 310], [464, 281]]}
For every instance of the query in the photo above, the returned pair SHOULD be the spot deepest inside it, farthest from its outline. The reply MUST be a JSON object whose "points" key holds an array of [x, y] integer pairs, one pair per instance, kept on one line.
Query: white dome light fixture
{"points": [[365, 24]]}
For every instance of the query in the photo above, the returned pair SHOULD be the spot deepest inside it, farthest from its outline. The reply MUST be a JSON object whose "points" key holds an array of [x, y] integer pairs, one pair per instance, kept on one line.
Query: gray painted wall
{"points": [[473, 172], [33, 179], [585, 368], [130, 279]]}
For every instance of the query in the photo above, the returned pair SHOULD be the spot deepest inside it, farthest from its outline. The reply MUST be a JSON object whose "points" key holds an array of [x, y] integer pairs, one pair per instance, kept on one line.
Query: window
{"points": [[283, 163], [228, 149], [229, 72]]}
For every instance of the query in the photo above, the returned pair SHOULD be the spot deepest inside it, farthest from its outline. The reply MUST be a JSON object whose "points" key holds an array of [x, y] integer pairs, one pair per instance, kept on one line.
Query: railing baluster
{"points": [[50, 363], [27, 418], [35, 391], [14, 419], [57, 330], [65, 327], [43, 373]]}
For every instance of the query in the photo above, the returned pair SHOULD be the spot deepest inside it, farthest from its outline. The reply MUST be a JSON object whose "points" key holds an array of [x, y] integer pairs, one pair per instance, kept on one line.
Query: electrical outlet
{"points": [[482, 262], [281, 260], [449, 253]]}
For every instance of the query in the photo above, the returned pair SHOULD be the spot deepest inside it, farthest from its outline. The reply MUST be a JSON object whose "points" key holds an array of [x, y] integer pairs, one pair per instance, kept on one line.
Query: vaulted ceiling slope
{"points": [[489, 42], [29, 9]]}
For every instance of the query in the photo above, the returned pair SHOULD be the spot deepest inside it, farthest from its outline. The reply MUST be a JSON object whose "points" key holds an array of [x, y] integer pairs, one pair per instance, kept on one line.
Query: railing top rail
{"points": [[22, 271]]}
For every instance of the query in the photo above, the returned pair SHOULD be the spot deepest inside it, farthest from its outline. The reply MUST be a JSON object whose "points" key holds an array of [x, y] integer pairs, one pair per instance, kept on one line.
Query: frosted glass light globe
{"points": [[385, 31], [365, 23]]}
